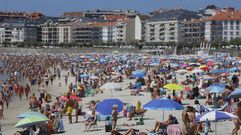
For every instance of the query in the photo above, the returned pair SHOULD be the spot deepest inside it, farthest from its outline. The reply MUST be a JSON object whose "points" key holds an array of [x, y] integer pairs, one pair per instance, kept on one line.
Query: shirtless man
{"points": [[186, 121], [69, 106], [237, 120]]}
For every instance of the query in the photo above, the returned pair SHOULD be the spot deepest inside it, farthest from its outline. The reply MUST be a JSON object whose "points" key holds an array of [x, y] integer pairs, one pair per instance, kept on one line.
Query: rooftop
{"points": [[226, 15]]}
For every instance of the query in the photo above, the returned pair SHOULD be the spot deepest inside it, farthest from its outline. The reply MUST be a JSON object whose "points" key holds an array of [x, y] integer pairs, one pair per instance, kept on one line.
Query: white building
{"points": [[119, 32], [133, 29], [225, 25], [163, 31], [17, 31], [50, 33]]}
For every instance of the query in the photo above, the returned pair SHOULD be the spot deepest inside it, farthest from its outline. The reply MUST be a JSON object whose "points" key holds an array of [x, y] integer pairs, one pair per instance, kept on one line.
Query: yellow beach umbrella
{"points": [[173, 86]]}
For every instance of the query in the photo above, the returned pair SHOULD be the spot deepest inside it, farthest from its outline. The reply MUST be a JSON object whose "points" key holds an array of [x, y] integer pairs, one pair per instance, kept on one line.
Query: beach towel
{"points": [[174, 129]]}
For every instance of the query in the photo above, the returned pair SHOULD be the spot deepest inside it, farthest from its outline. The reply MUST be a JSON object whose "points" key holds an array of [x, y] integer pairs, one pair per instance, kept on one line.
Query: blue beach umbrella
{"points": [[84, 76], [163, 70], [219, 84], [105, 107], [163, 104], [235, 94], [138, 74], [215, 89]]}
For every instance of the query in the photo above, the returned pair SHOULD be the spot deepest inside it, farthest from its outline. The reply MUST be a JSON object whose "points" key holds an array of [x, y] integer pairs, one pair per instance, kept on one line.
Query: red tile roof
{"points": [[226, 15]]}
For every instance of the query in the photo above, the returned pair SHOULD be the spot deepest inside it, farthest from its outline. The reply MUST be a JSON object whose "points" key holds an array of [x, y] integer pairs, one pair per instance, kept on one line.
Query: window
{"points": [[231, 27], [225, 27], [225, 22], [237, 22], [237, 28], [225, 33], [237, 33], [231, 22], [231, 33]]}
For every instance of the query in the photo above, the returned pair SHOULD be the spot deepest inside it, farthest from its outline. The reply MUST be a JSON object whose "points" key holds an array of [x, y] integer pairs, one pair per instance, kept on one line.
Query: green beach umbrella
{"points": [[28, 114], [30, 121]]}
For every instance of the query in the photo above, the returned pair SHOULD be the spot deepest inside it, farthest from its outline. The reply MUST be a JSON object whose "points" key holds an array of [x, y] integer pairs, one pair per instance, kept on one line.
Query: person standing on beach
{"points": [[185, 120], [16, 89], [237, 121], [27, 91], [76, 107], [66, 80], [20, 94], [1, 110], [69, 106], [114, 117]]}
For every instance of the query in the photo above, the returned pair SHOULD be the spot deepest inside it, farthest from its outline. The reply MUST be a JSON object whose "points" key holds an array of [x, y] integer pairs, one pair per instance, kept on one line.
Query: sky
{"points": [[57, 7]]}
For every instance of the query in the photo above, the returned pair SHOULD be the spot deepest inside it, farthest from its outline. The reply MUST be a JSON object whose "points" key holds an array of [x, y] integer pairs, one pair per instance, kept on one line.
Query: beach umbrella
{"points": [[204, 67], [215, 89], [181, 71], [210, 63], [138, 74], [94, 77], [163, 70], [64, 98], [154, 64], [84, 76], [197, 71], [110, 86], [215, 116], [30, 121], [219, 84], [173, 86], [105, 106], [235, 94], [28, 114], [163, 104]]}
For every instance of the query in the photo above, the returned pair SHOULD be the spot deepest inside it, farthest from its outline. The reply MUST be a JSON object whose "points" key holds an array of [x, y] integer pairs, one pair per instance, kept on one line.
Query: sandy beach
{"points": [[17, 107]]}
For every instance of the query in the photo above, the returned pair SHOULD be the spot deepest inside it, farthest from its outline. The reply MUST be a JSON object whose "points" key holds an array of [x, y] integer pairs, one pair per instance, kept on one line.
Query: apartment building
{"points": [[98, 13], [85, 33], [19, 30], [163, 31], [193, 30], [50, 33], [133, 29], [225, 25], [119, 32]]}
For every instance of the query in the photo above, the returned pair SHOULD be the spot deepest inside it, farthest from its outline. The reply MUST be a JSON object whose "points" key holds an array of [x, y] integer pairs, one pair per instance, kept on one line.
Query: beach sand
{"points": [[17, 107]]}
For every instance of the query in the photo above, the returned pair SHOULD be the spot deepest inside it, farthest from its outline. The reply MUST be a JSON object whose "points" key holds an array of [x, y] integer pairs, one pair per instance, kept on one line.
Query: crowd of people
{"points": [[90, 75]]}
